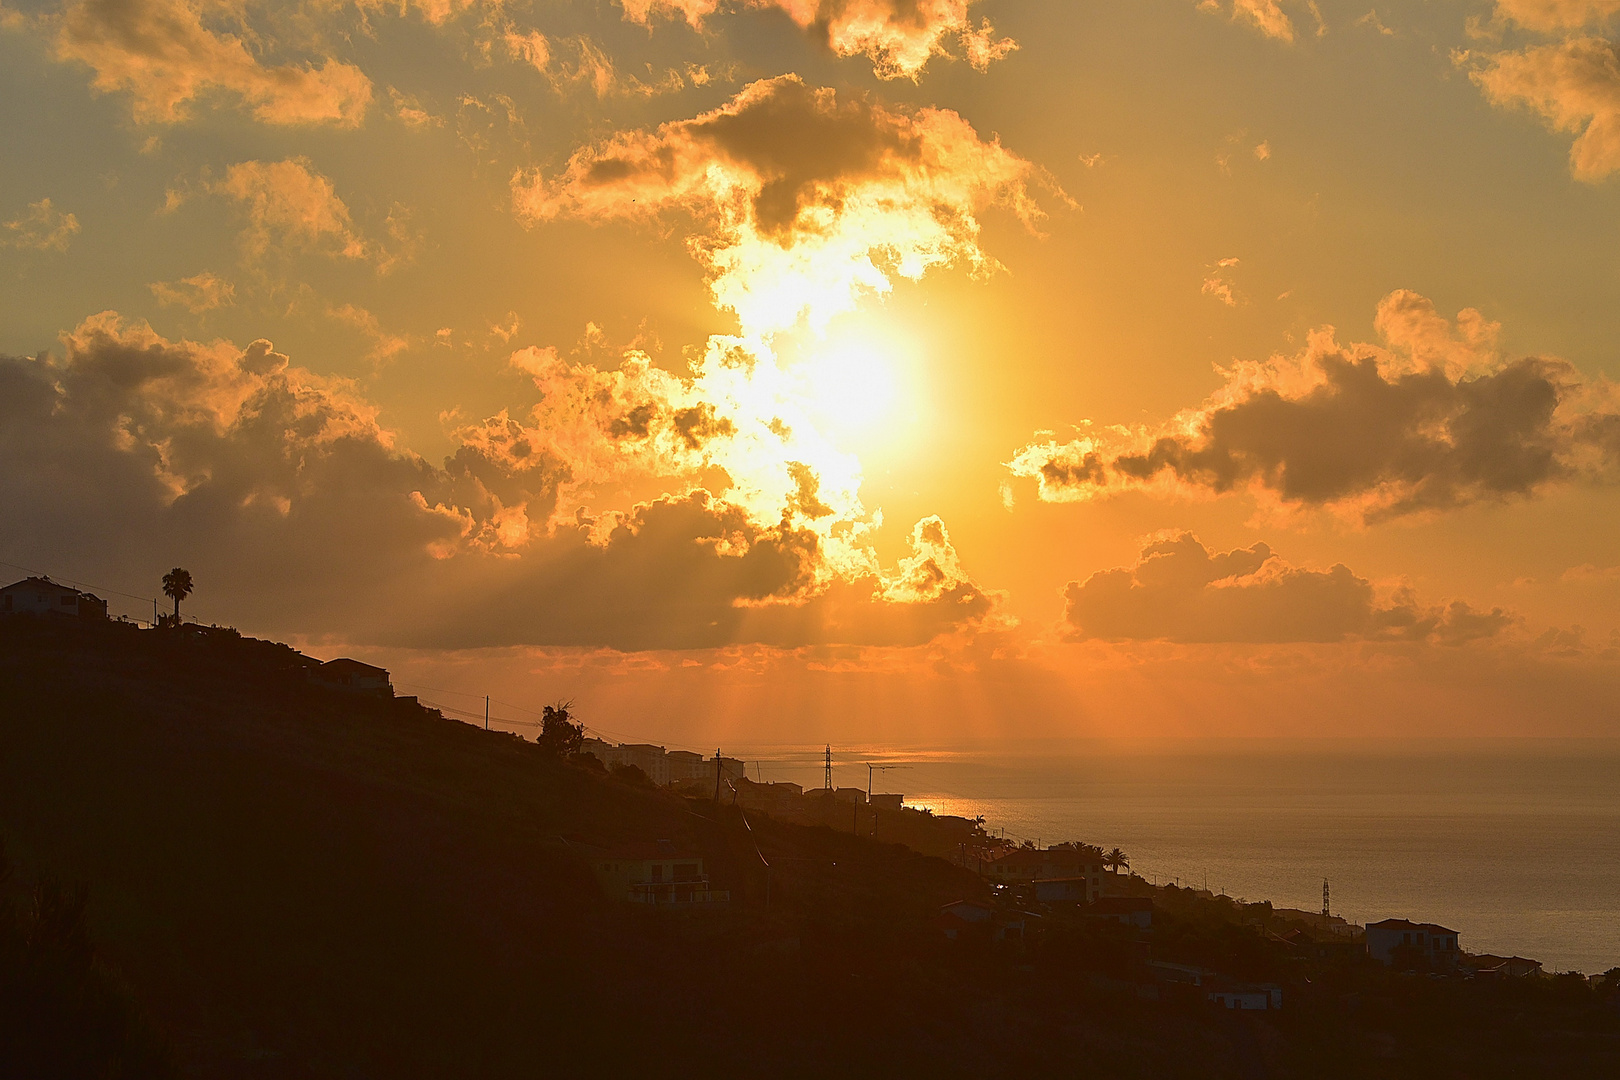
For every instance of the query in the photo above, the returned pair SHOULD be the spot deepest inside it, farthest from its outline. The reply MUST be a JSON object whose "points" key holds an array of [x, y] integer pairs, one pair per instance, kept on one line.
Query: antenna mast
{"points": [[1324, 899], [828, 783]]}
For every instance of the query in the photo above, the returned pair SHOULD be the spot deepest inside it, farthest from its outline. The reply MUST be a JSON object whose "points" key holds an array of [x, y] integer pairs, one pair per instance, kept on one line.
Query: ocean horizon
{"points": [[1514, 843]]}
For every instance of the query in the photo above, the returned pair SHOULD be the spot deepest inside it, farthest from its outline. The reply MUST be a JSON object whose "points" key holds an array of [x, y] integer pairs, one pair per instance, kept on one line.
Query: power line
{"points": [[76, 581]]}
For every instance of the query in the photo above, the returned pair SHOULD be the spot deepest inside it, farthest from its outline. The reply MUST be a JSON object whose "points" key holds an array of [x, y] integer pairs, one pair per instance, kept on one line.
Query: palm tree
{"points": [[1116, 859], [177, 583]]}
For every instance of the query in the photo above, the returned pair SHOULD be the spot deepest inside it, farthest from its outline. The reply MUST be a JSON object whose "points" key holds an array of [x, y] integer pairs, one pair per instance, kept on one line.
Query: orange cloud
{"points": [[1267, 16], [899, 36], [1434, 420], [289, 205], [161, 53], [43, 228], [198, 293], [1181, 591], [232, 457], [1547, 15], [805, 200], [1574, 85]]}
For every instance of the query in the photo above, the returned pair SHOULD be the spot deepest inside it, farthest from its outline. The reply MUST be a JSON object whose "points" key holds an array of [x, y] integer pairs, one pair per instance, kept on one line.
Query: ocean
{"points": [[1514, 844]]}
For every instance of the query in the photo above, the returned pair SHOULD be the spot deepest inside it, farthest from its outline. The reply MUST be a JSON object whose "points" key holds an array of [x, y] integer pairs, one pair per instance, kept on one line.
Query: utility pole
{"points": [[486, 712], [154, 613], [717, 774]]}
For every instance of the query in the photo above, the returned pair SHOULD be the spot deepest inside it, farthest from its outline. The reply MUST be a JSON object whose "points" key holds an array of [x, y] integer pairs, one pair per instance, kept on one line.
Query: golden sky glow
{"points": [[785, 370]]}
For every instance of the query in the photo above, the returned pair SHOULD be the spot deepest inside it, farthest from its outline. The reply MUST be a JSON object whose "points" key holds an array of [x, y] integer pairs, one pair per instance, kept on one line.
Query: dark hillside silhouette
{"points": [[296, 882]]}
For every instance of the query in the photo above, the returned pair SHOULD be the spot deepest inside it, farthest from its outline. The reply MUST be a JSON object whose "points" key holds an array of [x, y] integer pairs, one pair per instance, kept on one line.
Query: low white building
{"points": [[1396, 941], [42, 596]]}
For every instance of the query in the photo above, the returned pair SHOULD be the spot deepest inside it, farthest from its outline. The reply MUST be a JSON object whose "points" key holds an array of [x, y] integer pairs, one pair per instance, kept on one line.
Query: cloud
{"points": [[804, 200], [42, 228], [290, 206], [1181, 591], [1549, 15], [1267, 16], [1574, 85], [198, 293], [1218, 283], [900, 37], [298, 513], [1435, 420], [162, 54]]}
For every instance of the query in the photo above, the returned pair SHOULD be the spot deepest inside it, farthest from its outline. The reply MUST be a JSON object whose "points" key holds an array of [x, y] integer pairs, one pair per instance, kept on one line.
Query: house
{"points": [[1502, 967], [686, 765], [659, 875], [1134, 911], [886, 802], [1397, 942], [1236, 995], [42, 596], [351, 676], [850, 795], [1021, 866], [1070, 890], [963, 916]]}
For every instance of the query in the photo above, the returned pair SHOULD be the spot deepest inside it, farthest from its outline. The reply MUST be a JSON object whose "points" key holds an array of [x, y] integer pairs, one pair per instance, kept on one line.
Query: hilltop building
{"points": [[1397, 941], [663, 767], [42, 596], [353, 677]]}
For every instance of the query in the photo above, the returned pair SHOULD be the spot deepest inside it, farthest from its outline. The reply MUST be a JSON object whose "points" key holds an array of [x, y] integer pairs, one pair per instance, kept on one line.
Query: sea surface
{"points": [[1514, 844]]}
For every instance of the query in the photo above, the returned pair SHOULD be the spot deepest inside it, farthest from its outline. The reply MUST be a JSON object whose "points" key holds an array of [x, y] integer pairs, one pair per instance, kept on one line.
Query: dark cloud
{"points": [[297, 514], [1181, 591], [1363, 431]]}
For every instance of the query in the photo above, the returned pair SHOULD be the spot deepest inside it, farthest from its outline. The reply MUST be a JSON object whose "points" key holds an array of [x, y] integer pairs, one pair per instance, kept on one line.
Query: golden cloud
{"points": [[1574, 85], [804, 200], [1547, 15], [1267, 16], [162, 54], [197, 294], [42, 228], [1179, 590], [289, 205], [1434, 420], [900, 37]]}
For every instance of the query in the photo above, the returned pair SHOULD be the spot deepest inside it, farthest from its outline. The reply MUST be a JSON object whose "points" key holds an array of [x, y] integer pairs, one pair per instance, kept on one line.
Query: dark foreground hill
{"points": [[285, 882]]}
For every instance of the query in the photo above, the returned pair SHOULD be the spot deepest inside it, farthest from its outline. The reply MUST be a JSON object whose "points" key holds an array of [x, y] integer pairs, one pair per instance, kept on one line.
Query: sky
{"points": [[929, 373]]}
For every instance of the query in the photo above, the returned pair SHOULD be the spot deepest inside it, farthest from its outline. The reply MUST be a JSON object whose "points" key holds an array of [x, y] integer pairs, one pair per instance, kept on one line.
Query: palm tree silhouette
{"points": [[177, 583], [1116, 859]]}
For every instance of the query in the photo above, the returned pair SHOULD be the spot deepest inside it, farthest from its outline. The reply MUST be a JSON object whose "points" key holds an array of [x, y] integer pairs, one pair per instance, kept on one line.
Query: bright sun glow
{"points": [[849, 386]]}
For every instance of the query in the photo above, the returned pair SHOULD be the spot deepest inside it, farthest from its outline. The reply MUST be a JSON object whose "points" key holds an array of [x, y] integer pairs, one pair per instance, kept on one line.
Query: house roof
{"points": [[1403, 924], [45, 585], [343, 663]]}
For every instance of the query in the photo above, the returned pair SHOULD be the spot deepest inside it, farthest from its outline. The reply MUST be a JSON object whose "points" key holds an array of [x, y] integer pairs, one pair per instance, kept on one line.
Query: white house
{"points": [[42, 596], [1434, 946]]}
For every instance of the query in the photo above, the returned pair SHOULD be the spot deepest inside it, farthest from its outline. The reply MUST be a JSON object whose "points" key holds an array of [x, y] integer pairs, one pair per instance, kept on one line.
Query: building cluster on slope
{"points": [[40, 597]]}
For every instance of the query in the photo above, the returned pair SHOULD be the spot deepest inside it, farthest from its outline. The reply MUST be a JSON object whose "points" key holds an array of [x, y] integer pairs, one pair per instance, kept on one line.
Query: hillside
{"points": [[289, 882]]}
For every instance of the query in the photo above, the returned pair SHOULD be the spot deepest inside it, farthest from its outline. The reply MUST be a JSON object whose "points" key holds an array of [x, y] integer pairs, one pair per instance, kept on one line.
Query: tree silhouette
{"points": [[1116, 859], [558, 733], [177, 584]]}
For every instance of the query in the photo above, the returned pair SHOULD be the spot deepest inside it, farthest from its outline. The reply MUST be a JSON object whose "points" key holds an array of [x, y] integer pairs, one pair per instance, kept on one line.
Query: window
{"points": [[658, 872], [69, 601], [6, 602]]}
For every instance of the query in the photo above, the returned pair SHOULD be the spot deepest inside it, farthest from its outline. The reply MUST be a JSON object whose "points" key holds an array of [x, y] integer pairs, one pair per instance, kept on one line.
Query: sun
{"points": [[850, 385]]}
